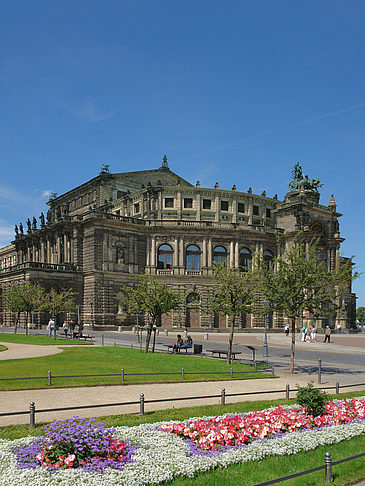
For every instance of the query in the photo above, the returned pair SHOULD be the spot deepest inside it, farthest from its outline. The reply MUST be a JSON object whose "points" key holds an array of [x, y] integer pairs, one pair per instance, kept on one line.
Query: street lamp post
{"points": [[137, 337], [266, 348]]}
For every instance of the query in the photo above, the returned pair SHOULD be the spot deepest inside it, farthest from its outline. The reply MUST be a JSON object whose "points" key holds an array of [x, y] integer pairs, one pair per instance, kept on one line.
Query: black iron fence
{"points": [[327, 466], [142, 401], [183, 373]]}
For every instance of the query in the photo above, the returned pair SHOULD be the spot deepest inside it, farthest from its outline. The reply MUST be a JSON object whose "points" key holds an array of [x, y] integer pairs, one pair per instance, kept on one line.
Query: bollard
{"points": [[231, 372], [119, 328], [319, 372], [122, 373], [206, 336], [102, 339], [32, 414], [182, 374], [166, 332], [255, 365], [223, 397], [287, 392], [337, 387], [114, 343], [141, 404], [49, 378], [272, 371], [328, 464]]}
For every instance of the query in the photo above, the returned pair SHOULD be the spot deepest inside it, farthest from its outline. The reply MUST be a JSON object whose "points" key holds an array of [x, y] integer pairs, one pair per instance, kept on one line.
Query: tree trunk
{"points": [[292, 345], [26, 323], [16, 322], [230, 341]]}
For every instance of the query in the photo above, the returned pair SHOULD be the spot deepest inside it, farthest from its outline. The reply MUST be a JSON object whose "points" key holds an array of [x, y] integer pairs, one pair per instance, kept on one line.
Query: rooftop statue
{"points": [[303, 180], [105, 169]]}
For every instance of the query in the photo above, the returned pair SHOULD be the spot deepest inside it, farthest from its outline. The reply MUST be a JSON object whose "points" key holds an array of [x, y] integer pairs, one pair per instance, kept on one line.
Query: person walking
{"points": [[72, 328], [339, 328], [65, 328], [327, 334], [51, 327], [286, 330]]}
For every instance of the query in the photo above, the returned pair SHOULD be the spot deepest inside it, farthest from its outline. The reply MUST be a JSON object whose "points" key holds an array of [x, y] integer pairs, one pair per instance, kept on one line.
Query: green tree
{"points": [[360, 315], [151, 296], [234, 295], [298, 284], [54, 302], [26, 298]]}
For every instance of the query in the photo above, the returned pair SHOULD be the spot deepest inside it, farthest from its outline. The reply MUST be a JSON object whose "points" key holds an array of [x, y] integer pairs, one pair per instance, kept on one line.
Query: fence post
{"points": [[319, 372], [102, 339], [328, 464], [182, 374], [223, 396], [49, 378], [141, 404], [114, 343], [337, 387], [231, 372], [255, 365], [122, 373], [287, 392], [32, 414], [272, 371]]}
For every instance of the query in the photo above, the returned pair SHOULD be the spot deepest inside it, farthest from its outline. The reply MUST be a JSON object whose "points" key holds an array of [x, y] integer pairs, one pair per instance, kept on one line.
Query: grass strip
{"points": [[38, 340], [3, 348], [104, 360]]}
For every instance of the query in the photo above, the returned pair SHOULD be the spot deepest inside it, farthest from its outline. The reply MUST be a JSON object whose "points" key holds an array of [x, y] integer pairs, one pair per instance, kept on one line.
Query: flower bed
{"points": [[159, 454]]}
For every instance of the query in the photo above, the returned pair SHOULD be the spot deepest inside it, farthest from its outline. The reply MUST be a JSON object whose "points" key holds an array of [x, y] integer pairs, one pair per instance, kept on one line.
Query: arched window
{"points": [[193, 298], [268, 258], [193, 257], [164, 257], [219, 254], [245, 261]]}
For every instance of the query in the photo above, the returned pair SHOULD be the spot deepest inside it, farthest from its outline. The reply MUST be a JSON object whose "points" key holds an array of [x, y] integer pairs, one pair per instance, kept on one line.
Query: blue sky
{"points": [[234, 92]]}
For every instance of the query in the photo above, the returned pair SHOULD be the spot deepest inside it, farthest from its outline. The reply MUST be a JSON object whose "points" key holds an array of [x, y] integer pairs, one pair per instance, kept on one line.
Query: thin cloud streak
{"points": [[88, 112], [307, 121]]}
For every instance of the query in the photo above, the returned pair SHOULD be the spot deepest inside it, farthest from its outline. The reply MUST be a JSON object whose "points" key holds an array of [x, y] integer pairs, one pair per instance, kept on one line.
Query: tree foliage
{"points": [[25, 298], [312, 399], [360, 315], [151, 296], [234, 295], [55, 302], [301, 284]]}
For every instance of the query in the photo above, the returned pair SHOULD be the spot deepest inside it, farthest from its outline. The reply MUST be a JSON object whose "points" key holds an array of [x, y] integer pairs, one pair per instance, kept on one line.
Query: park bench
{"points": [[85, 337], [222, 354], [170, 348]]}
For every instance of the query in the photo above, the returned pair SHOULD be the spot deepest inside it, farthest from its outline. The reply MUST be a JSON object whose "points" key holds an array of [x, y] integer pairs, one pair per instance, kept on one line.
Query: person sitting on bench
{"points": [[188, 343], [176, 347]]}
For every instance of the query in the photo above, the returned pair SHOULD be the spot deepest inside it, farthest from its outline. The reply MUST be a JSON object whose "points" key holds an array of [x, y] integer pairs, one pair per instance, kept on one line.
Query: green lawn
{"points": [[104, 360], [3, 348], [249, 473], [39, 340]]}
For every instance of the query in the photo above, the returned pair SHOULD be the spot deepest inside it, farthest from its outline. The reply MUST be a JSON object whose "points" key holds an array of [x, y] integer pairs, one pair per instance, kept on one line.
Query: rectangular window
{"points": [[256, 210], [268, 213], [136, 208], [207, 204], [169, 202], [224, 205], [188, 203], [241, 207]]}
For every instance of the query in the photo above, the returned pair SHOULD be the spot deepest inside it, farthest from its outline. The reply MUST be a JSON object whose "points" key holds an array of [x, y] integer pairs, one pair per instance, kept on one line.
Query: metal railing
{"points": [[142, 401], [327, 466], [123, 374]]}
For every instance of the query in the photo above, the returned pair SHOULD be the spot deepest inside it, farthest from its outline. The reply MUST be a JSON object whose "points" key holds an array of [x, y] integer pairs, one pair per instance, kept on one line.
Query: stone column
{"points": [[181, 255], [250, 211], [210, 253], [175, 262], [217, 208], [148, 251], [178, 205], [236, 255], [198, 207], [204, 254], [231, 254], [153, 251], [234, 210]]}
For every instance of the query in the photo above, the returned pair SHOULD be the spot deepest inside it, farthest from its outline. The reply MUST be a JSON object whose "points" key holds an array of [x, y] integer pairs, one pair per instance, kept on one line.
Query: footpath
{"points": [[19, 400]]}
